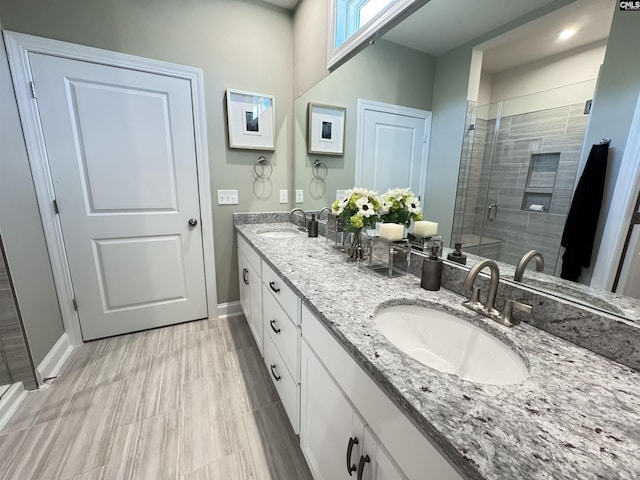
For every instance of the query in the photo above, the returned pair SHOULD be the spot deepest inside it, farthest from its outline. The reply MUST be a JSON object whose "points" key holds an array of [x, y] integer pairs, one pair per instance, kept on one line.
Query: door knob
{"points": [[193, 222]]}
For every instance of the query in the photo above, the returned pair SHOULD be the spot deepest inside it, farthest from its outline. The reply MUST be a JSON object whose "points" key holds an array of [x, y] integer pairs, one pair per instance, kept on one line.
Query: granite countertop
{"points": [[575, 416]]}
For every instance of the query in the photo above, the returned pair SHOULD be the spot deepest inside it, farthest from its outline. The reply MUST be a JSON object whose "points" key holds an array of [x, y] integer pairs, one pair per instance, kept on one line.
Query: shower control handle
{"points": [[493, 212]]}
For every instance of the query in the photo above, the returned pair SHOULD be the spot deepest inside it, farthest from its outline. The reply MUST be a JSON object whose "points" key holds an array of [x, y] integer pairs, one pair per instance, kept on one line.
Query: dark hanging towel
{"points": [[582, 221]]}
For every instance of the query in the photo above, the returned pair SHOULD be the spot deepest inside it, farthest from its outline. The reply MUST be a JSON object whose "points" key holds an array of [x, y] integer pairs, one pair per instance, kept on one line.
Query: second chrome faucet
{"points": [[489, 309]]}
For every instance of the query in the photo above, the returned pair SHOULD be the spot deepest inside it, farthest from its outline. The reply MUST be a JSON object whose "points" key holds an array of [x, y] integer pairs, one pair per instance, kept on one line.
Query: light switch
{"points": [[284, 196], [227, 197], [299, 196]]}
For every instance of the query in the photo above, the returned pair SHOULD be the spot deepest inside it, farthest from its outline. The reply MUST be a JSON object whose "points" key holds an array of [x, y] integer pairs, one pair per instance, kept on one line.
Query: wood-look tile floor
{"points": [[186, 402]]}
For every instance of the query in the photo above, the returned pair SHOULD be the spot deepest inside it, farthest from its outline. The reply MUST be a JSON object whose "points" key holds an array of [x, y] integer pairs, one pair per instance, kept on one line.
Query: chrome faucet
{"points": [[325, 209], [526, 258], [474, 303], [489, 309], [303, 223]]}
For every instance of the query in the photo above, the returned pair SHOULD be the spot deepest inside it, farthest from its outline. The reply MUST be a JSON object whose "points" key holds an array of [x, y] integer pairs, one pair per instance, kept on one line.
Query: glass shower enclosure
{"points": [[517, 173], [15, 360]]}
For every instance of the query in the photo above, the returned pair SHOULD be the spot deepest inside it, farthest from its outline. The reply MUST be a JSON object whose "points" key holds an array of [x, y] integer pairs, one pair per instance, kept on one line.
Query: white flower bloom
{"points": [[365, 207], [398, 193], [385, 204], [413, 205]]}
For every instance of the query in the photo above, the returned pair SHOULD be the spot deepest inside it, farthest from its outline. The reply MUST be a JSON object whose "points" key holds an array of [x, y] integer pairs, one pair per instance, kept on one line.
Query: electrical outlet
{"points": [[227, 197], [284, 196], [299, 196], [340, 194]]}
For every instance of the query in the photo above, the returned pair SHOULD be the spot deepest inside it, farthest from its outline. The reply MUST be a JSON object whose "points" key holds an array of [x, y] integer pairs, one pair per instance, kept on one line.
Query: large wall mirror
{"points": [[528, 101]]}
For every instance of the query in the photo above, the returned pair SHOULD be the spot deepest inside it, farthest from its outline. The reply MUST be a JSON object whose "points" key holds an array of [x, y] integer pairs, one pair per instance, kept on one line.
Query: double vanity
{"points": [[384, 380]]}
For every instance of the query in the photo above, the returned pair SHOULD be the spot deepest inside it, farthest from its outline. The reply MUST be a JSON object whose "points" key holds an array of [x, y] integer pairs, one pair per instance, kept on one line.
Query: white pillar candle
{"points": [[391, 231], [423, 228]]}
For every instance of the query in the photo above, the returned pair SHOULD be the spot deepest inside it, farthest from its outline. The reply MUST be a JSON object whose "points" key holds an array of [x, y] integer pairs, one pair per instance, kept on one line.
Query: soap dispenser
{"points": [[457, 255], [431, 271], [313, 226]]}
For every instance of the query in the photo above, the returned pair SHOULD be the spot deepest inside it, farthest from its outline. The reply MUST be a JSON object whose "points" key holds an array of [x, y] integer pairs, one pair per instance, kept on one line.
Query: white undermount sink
{"points": [[278, 234], [451, 345]]}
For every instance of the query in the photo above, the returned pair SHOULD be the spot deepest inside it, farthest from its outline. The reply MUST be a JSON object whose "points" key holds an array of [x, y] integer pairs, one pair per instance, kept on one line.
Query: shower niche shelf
{"points": [[541, 179]]}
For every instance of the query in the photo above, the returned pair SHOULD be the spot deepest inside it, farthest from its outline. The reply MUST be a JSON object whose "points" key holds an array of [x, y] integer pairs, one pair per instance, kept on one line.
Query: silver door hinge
{"points": [[33, 89], [55, 207], [75, 305]]}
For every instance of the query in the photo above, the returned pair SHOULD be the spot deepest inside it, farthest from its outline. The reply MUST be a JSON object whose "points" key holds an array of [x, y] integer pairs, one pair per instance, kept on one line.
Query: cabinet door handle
{"points": [[244, 276], [351, 468], [363, 460], [277, 377], [273, 327], [272, 286]]}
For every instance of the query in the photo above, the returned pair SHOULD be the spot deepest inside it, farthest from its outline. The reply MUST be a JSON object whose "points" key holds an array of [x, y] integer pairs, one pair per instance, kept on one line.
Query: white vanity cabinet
{"points": [[333, 436], [249, 269], [281, 327], [339, 402]]}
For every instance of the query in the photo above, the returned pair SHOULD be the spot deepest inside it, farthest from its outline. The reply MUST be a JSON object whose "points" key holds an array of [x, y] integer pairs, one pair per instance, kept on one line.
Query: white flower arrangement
{"points": [[399, 205], [358, 209]]}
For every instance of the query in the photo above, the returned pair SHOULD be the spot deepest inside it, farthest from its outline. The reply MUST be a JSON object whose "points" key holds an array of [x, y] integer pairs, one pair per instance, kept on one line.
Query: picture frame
{"points": [[326, 124], [251, 120]]}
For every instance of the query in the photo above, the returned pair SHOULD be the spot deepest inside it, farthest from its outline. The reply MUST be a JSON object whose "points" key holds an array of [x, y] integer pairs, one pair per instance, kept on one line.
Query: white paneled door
{"points": [[122, 158], [393, 146]]}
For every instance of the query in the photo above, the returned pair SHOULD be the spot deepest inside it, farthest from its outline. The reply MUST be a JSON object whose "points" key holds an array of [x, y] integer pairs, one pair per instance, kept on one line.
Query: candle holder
{"points": [[335, 232], [426, 244], [390, 258]]}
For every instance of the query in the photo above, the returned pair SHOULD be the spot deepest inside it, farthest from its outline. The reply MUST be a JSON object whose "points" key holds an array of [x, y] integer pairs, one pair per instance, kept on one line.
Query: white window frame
{"points": [[393, 14]]}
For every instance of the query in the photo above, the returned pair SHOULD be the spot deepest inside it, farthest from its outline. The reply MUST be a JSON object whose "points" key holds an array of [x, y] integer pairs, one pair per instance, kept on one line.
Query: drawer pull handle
{"points": [[277, 377], [363, 460], [273, 327], [273, 287], [351, 468], [244, 276]]}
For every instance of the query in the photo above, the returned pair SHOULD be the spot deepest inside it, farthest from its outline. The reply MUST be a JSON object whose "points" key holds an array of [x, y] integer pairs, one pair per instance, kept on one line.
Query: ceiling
{"points": [[290, 4], [540, 38], [429, 29], [441, 25]]}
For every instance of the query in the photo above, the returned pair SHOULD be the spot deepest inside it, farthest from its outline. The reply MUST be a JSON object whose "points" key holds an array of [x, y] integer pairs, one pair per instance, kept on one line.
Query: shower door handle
{"points": [[492, 212]]}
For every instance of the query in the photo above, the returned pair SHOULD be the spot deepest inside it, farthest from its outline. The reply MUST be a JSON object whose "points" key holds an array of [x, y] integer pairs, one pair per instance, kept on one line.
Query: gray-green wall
{"points": [[614, 105], [243, 44], [384, 72], [22, 230]]}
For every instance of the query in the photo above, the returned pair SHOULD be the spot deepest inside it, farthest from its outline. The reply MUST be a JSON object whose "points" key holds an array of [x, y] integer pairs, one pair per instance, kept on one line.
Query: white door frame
{"points": [[18, 48], [624, 199], [363, 106]]}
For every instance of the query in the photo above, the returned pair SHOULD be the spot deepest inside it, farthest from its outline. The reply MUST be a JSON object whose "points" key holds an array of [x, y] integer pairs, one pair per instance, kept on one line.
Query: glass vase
{"points": [[357, 250]]}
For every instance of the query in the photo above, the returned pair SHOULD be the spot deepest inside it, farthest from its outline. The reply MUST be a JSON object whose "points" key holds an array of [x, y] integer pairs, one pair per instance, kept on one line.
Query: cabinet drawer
{"points": [[250, 254], [288, 390], [283, 332], [285, 296]]}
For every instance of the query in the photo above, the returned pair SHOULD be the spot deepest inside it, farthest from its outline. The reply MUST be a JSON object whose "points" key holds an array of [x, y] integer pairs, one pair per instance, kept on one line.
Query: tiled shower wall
{"points": [[11, 336], [558, 130]]}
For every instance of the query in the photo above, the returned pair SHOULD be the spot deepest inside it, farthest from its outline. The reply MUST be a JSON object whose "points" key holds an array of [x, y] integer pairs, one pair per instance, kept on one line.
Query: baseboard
{"points": [[10, 402], [230, 309], [54, 360]]}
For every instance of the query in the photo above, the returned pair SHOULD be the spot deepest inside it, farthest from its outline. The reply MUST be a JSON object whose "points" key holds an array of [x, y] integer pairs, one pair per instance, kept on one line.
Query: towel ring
{"points": [[319, 170], [266, 169], [605, 141]]}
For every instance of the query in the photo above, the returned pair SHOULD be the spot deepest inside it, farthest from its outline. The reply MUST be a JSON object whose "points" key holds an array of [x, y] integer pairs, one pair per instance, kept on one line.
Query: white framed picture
{"points": [[326, 129], [251, 120]]}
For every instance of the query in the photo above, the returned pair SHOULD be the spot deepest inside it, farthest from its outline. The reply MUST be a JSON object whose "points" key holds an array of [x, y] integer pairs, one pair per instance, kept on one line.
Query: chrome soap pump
{"points": [[431, 270]]}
